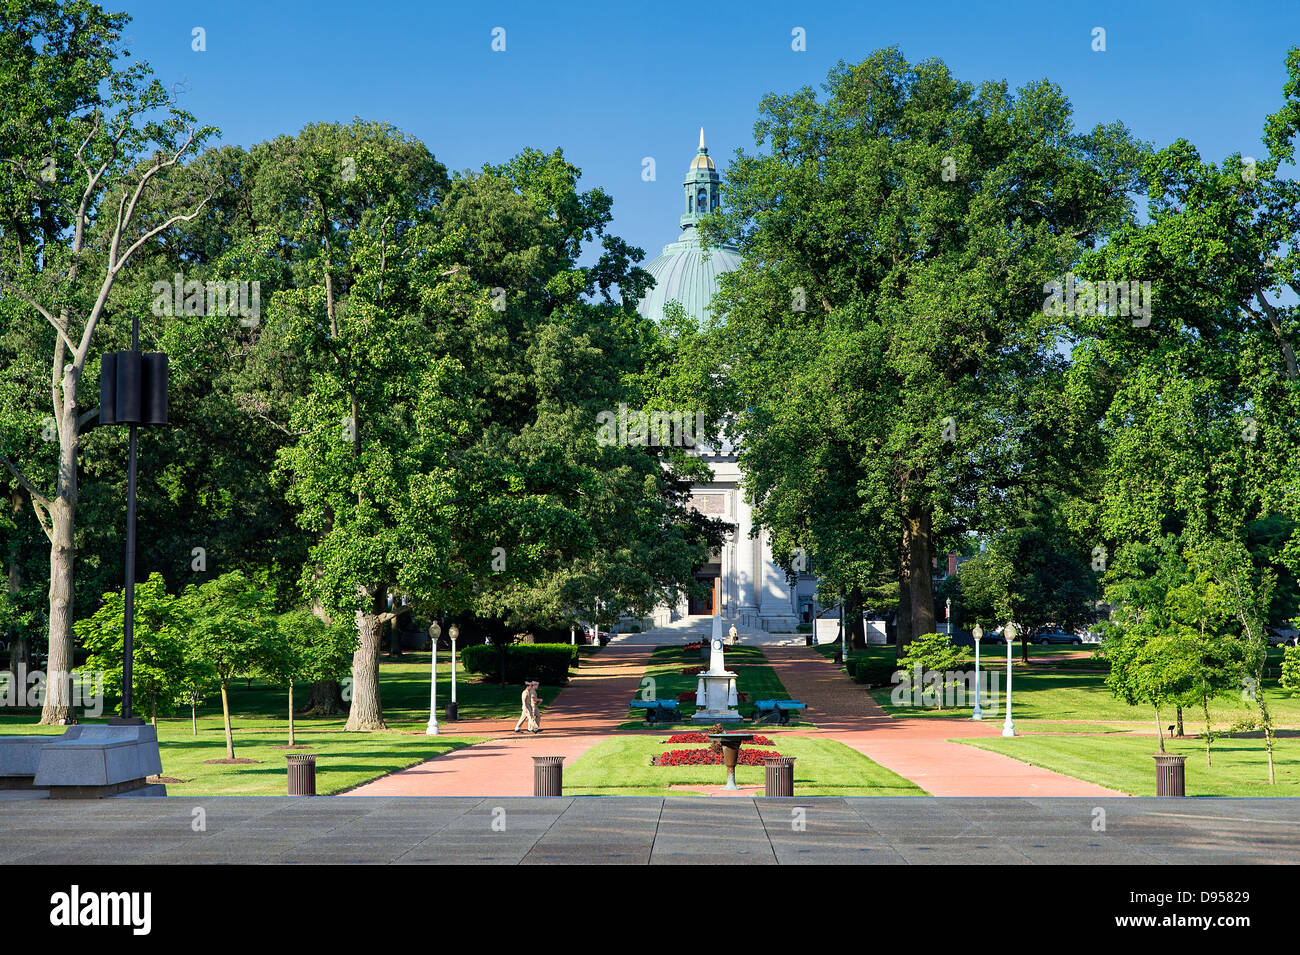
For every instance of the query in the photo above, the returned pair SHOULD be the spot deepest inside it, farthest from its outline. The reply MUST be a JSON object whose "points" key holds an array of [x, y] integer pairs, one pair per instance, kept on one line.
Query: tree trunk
{"points": [[1160, 730], [853, 619], [1178, 718], [291, 742], [366, 712], [225, 715], [194, 717], [58, 705], [395, 639], [1205, 706], [325, 698], [904, 627], [920, 577]]}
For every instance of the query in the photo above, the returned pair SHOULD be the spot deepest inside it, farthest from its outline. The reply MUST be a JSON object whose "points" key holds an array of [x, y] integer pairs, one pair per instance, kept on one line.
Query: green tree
{"points": [[308, 650], [885, 349], [158, 653], [86, 140], [231, 630]]}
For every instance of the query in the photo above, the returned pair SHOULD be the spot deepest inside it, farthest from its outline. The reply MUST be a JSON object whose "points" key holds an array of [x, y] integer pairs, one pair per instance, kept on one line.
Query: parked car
{"points": [[1283, 636], [963, 638], [1056, 636]]}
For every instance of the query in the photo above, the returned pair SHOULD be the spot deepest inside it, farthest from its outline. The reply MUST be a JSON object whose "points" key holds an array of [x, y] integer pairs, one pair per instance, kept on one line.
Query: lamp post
{"points": [[977, 632], [1008, 727], [453, 711], [435, 632], [133, 392], [947, 615]]}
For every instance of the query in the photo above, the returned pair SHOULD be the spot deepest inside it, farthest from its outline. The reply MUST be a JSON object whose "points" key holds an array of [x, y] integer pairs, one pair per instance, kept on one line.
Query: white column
{"points": [[747, 580]]}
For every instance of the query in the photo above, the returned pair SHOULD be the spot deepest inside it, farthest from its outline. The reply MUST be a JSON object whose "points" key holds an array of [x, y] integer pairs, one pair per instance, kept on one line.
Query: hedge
{"points": [[546, 663]]}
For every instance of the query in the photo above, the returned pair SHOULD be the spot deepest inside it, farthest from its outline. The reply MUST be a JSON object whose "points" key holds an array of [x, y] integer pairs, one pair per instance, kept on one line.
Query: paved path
{"points": [[595, 702], [585, 712], [917, 748], [637, 831]]}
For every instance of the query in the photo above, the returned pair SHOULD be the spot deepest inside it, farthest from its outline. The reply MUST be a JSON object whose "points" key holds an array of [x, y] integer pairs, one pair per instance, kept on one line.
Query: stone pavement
{"points": [[612, 830], [917, 749]]}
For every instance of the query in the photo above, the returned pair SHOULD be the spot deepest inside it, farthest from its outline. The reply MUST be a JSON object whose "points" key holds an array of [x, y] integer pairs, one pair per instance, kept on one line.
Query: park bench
{"points": [[776, 711], [658, 711]]}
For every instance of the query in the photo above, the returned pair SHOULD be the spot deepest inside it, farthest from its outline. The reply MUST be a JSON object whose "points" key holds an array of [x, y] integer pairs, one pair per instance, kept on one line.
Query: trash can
{"points": [[808, 640], [1171, 775], [302, 774], [547, 775], [780, 776], [453, 712]]}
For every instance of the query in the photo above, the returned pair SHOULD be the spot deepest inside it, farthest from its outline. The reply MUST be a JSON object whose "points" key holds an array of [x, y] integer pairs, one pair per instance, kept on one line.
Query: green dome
{"points": [[685, 272]]}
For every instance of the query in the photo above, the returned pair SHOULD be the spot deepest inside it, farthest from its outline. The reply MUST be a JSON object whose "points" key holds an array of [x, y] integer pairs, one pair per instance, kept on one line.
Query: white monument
{"points": [[715, 696]]}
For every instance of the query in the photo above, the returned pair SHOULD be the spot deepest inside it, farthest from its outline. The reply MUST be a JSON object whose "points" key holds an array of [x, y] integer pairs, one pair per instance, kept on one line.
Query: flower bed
{"points": [[703, 757], [693, 671], [703, 737]]}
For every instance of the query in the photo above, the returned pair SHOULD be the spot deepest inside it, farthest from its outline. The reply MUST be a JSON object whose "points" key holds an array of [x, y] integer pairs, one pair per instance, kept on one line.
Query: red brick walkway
{"points": [[585, 712], [917, 749]]}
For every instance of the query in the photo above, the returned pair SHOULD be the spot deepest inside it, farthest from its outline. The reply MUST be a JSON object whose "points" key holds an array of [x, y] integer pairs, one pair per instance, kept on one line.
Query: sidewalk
{"points": [[585, 712], [917, 749]]}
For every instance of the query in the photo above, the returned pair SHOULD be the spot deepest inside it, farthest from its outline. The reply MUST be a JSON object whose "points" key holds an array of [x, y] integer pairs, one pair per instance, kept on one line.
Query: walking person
{"points": [[528, 701]]}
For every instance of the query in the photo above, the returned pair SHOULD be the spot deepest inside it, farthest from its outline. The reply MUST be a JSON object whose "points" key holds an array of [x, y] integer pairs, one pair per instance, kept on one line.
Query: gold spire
{"points": [[702, 146]]}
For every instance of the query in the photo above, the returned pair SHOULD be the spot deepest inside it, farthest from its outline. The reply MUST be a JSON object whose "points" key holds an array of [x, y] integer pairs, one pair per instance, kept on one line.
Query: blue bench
{"points": [[658, 711], [768, 711]]}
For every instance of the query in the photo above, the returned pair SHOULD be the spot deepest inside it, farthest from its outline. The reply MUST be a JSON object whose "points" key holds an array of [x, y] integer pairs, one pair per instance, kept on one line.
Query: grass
{"points": [[823, 767], [1124, 762], [1083, 697], [754, 677], [345, 760]]}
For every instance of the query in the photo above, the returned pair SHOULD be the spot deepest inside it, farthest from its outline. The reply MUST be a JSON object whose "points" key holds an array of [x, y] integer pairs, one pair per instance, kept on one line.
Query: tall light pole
{"points": [[977, 632], [435, 632], [947, 614], [453, 711], [1008, 727]]}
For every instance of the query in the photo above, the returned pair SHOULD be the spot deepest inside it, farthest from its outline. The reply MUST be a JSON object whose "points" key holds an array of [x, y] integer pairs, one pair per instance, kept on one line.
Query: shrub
{"points": [[546, 663], [850, 666], [804, 628], [874, 672], [1291, 670]]}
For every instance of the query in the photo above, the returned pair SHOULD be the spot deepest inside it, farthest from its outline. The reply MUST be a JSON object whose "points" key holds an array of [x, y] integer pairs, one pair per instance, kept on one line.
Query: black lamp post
{"points": [[132, 391]]}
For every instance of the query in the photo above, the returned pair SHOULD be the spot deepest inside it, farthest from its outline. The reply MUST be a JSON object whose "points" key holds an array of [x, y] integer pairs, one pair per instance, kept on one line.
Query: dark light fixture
{"points": [[132, 391]]}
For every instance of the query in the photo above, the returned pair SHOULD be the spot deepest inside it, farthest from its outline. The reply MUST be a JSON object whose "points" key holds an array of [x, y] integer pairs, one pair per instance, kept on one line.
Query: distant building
{"points": [[753, 590]]}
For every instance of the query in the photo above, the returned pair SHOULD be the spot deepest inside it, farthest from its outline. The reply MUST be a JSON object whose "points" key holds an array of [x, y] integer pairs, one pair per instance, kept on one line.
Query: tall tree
{"points": [[86, 143], [884, 342]]}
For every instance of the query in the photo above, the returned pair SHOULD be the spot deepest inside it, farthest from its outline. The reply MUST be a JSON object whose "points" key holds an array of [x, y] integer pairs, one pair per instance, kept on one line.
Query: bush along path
{"points": [[587, 710], [917, 749]]}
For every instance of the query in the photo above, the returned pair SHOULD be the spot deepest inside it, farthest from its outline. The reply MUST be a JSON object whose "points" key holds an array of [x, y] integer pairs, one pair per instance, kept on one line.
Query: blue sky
{"points": [[612, 85]]}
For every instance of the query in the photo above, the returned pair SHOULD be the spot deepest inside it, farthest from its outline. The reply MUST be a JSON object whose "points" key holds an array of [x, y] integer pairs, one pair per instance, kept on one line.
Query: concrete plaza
{"points": [[605, 830]]}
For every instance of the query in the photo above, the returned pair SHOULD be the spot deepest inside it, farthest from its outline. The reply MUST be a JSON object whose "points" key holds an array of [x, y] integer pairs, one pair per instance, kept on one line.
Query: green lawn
{"points": [[1124, 762], [823, 767], [1080, 697], [344, 759]]}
